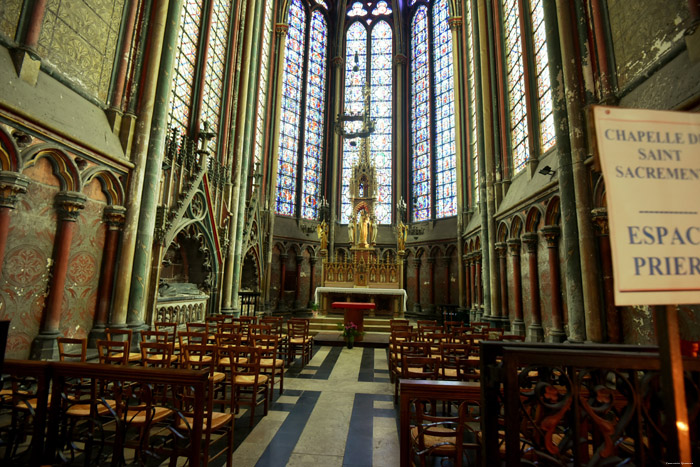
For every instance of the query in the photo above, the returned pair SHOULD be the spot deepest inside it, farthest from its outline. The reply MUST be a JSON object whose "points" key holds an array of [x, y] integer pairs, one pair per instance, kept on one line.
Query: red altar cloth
{"points": [[354, 313]]}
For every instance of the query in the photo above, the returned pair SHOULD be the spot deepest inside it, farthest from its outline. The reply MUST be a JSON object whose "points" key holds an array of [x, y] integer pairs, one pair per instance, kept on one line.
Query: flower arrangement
{"points": [[350, 330]]}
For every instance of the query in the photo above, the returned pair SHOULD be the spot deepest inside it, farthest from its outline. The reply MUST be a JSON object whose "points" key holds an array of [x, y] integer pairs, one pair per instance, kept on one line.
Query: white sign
{"points": [[651, 163]]}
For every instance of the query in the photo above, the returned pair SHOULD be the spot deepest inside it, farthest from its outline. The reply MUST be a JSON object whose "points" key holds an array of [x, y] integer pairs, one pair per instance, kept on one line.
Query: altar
{"points": [[390, 303]]}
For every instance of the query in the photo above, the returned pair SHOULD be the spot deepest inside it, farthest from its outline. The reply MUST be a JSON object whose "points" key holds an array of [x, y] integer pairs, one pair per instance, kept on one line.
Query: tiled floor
{"points": [[335, 411]]}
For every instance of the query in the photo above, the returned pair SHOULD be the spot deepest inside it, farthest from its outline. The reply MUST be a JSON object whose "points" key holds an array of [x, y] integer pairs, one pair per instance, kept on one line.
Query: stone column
{"points": [[551, 235], [297, 297], [518, 325], [26, 59], [479, 289], [69, 204], [416, 301], [472, 286], [446, 262], [501, 251], [431, 289], [612, 313], [312, 271], [11, 185], [114, 217], [535, 333], [467, 282], [283, 276]]}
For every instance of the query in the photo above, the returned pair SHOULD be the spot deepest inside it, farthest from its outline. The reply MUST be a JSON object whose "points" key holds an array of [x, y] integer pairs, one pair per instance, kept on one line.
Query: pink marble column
{"points": [[114, 217], [535, 333], [518, 324], [69, 205], [416, 302], [551, 235], [283, 277], [297, 297], [501, 251]]}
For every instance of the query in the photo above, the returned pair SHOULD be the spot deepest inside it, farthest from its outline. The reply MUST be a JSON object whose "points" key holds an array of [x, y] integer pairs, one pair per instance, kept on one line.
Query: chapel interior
{"points": [[188, 161]]}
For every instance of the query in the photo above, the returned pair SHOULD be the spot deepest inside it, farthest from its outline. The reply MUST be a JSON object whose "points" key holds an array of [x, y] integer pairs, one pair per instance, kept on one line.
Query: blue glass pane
{"points": [[516, 85], [262, 86], [291, 104], [420, 117]]}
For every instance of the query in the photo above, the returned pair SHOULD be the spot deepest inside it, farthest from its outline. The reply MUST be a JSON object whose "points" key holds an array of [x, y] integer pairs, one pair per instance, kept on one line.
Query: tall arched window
{"points": [[262, 85], [216, 59], [433, 133], [368, 59], [471, 83], [304, 76], [185, 66], [519, 51]]}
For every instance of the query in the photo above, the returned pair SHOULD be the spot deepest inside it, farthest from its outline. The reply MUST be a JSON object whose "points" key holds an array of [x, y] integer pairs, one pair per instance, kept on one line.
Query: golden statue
{"points": [[322, 231], [401, 236], [364, 227]]}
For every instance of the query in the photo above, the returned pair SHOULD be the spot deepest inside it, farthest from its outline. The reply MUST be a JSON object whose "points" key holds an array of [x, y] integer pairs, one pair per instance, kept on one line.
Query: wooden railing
{"points": [[36, 429]]}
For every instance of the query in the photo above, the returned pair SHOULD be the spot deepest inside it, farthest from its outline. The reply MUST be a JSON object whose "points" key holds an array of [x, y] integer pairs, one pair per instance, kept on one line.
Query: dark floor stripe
{"points": [[282, 445], [359, 445], [367, 365], [324, 371]]}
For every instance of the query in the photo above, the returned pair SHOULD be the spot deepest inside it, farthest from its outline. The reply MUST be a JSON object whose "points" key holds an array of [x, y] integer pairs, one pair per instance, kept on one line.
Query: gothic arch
{"points": [[110, 183], [9, 152], [516, 227], [599, 199], [65, 170], [532, 222], [502, 234], [552, 215]]}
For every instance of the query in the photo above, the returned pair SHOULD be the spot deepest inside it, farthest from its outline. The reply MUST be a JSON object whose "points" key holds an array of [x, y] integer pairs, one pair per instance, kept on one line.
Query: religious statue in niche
{"points": [[402, 233], [322, 231], [364, 227], [351, 231]]}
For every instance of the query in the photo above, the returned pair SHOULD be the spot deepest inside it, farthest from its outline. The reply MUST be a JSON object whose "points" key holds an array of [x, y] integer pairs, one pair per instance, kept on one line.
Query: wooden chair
{"points": [[162, 337], [72, 349], [434, 436], [407, 349], [169, 327], [125, 335], [157, 354], [113, 352], [270, 364], [276, 323], [395, 339], [298, 340], [248, 385], [451, 356]]}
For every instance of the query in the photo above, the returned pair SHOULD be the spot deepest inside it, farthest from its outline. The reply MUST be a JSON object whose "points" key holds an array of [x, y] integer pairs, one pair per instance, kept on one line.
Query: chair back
{"points": [[189, 337], [258, 329], [156, 354], [113, 352], [297, 328], [169, 327], [228, 339], [161, 337], [199, 357], [419, 367], [231, 328], [122, 335], [197, 327], [275, 322], [71, 349]]}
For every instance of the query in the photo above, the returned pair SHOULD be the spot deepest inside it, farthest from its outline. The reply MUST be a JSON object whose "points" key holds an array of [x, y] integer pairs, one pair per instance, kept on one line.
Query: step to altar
{"points": [[326, 324]]}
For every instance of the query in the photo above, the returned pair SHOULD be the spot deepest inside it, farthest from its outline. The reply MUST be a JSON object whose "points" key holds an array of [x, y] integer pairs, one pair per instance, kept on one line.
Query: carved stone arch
{"points": [[189, 259], [294, 248], [532, 223], [251, 272], [599, 199], [9, 152], [553, 214], [421, 252], [477, 243], [65, 170], [388, 255], [516, 226], [435, 252], [111, 184], [502, 233]]}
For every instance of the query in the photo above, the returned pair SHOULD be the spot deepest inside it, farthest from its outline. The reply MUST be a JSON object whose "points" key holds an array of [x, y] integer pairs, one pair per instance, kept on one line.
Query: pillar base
{"points": [[556, 337], [99, 332], [44, 346], [535, 333], [518, 327], [502, 323], [478, 314], [417, 308]]}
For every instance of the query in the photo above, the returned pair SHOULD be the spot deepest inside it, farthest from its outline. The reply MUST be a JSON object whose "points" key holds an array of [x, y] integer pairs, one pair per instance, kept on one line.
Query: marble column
{"points": [[12, 184], [501, 251], [551, 235], [69, 204], [535, 333], [479, 289], [114, 217], [431, 289], [416, 300], [312, 274], [446, 263], [467, 280], [283, 277], [297, 296], [612, 313], [518, 324], [472, 285]]}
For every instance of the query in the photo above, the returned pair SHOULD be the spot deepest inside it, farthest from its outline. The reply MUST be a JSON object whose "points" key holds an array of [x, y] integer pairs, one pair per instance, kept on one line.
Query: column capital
{"points": [[465, 259], [12, 184], [281, 29], [431, 259], [300, 259], [599, 216], [69, 204], [514, 246], [531, 239], [445, 261], [416, 263], [338, 61], [455, 23], [284, 256], [400, 60], [551, 235], [312, 260], [115, 216], [501, 249]]}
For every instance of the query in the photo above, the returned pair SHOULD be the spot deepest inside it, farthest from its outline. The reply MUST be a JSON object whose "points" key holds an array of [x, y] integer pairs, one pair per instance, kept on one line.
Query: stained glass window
{"points": [[185, 60], [315, 116], [291, 106], [544, 88], [473, 133], [433, 150], [445, 149], [216, 58], [516, 85], [381, 112], [420, 116], [357, 10], [381, 9], [262, 87], [356, 46]]}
